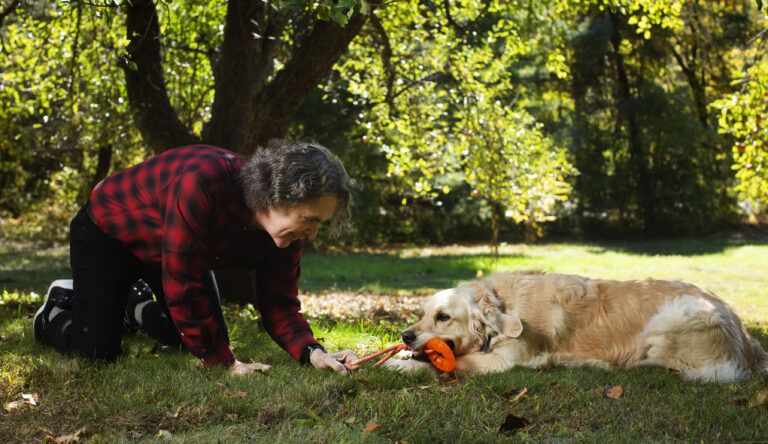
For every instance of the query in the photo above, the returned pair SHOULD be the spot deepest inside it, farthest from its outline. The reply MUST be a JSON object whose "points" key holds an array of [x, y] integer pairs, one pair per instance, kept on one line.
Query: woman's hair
{"points": [[289, 173]]}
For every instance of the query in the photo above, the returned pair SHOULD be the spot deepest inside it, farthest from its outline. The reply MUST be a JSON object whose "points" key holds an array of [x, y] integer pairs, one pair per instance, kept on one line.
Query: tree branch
{"points": [[242, 69], [9, 10], [318, 51], [153, 114], [385, 51]]}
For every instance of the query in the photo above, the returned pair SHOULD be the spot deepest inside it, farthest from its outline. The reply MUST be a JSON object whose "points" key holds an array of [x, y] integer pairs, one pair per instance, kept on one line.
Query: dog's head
{"points": [[468, 318]]}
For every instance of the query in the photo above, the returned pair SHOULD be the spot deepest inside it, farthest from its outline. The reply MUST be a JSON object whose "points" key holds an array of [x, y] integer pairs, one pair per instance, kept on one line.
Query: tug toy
{"points": [[438, 352]]}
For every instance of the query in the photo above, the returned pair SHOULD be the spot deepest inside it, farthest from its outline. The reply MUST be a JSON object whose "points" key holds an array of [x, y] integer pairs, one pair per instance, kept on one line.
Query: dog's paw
{"points": [[406, 365]]}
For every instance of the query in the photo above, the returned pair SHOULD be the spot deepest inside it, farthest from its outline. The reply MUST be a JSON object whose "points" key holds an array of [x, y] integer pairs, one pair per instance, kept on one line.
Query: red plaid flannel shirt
{"points": [[184, 210]]}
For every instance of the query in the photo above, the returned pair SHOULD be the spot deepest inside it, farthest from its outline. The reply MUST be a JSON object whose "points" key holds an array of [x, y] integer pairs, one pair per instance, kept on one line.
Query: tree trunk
{"points": [[276, 105], [103, 162], [495, 229], [153, 114], [637, 153], [251, 38]]}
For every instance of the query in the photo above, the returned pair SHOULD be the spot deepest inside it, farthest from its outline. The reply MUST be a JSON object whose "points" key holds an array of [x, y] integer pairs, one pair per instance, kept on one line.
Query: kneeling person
{"points": [[174, 217]]}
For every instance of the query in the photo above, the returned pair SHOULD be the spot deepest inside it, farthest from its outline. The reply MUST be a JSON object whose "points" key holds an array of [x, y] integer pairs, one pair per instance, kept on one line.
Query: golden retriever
{"points": [[533, 319]]}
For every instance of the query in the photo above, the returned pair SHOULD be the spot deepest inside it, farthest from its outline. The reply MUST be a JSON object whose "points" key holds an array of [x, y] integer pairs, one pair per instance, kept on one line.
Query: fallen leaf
{"points": [[371, 427], [239, 394], [512, 424], [69, 439], [520, 396], [760, 399], [614, 392], [12, 405], [26, 399], [511, 392]]}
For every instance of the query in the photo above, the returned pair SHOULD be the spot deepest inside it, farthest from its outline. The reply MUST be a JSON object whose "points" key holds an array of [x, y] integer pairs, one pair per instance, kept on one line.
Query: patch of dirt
{"points": [[340, 305]]}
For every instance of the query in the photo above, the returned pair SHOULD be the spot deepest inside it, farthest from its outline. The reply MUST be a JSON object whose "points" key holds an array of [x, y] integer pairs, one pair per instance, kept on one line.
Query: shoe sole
{"points": [[63, 283]]}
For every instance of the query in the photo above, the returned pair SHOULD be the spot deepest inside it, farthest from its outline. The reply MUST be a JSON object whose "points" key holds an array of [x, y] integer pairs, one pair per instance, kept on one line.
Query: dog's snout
{"points": [[408, 336]]}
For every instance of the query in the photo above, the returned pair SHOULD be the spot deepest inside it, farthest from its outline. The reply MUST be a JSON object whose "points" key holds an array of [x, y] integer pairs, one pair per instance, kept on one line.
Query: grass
{"points": [[146, 392]]}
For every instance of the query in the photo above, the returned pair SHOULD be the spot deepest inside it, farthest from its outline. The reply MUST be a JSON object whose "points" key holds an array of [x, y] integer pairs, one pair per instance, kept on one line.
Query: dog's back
{"points": [[576, 320]]}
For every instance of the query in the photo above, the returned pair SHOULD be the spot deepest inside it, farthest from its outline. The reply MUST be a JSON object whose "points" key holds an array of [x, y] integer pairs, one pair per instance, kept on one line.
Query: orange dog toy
{"points": [[438, 352]]}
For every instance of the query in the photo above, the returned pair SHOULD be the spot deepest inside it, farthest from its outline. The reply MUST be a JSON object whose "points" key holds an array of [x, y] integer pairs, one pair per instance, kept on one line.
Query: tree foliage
{"points": [[456, 115], [743, 115]]}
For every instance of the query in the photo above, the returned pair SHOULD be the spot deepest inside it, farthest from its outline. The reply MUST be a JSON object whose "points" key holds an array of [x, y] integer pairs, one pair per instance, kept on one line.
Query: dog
{"points": [[537, 320]]}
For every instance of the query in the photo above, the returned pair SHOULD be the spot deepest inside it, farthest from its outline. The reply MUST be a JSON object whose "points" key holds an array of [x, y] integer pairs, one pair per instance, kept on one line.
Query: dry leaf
{"points": [[511, 392], [614, 392], [513, 423], [26, 399], [371, 427], [13, 405], [240, 394], [520, 396], [69, 439]]}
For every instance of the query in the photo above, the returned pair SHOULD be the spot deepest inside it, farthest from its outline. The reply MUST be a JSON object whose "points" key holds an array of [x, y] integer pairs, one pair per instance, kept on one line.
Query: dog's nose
{"points": [[408, 336]]}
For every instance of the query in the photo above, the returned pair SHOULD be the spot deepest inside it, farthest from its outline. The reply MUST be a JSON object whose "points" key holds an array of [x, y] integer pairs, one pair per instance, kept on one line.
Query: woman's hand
{"points": [[244, 368], [340, 362]]}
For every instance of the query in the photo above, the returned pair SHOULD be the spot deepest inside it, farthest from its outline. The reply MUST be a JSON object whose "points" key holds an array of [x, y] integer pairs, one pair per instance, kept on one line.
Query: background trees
{"points": [[461, 119]]}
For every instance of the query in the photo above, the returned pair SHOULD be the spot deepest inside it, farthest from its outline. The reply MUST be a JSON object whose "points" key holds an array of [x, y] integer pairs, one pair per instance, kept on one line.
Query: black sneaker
{"points": [[138, 293], [60, 295]]}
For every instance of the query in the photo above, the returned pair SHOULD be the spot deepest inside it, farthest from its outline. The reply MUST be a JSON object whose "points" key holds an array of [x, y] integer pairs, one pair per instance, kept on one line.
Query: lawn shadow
{"points": [[679, 247], [28, 269], [759, 332], [382, 272]]}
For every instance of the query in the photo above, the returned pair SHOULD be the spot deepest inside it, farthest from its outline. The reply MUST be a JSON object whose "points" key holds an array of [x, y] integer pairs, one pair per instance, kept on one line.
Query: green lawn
{"points": [[147, 391]]}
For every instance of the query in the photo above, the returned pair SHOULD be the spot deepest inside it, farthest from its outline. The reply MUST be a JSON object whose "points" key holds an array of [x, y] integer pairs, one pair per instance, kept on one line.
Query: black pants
{"points": [[103, 271]]}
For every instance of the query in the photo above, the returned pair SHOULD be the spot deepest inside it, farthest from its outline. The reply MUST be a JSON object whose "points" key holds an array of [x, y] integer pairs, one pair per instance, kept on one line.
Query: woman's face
{"points": [[301, 221]]}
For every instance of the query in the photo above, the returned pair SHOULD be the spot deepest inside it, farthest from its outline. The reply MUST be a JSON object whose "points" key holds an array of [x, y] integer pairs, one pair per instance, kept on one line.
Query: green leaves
{"points": [[441, 106], [744, 115]]}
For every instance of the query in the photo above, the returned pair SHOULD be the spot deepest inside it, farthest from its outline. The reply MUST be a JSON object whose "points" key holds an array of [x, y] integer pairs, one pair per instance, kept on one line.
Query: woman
{"points": [[174, 217]]}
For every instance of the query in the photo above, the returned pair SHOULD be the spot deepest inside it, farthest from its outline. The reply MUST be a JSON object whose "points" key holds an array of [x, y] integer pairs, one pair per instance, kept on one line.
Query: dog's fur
{"points": [[533, 319]]}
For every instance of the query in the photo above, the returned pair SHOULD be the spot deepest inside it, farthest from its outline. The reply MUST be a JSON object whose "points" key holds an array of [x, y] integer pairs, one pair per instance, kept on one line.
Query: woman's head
{"points": [[291, 176]]}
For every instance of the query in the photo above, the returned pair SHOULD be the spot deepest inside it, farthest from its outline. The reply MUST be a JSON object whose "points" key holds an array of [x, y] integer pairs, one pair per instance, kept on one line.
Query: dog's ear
{"points": [[510, 325]]}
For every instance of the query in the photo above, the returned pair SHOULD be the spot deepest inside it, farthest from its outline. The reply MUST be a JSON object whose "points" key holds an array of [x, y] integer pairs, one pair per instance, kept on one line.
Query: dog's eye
{"points": [[442, 317]]}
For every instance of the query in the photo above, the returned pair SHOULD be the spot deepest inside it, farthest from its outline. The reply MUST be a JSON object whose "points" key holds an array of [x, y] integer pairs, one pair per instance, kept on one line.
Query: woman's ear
{"points": [[510, 325]]}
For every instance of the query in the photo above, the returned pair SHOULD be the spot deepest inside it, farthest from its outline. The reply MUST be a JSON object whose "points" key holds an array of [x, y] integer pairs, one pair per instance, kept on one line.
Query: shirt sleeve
{"points": [[189, 215], [278, 301]]}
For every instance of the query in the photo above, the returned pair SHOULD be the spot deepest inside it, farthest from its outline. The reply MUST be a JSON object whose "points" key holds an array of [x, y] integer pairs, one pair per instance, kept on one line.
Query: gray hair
{"points": [[289, 173]]}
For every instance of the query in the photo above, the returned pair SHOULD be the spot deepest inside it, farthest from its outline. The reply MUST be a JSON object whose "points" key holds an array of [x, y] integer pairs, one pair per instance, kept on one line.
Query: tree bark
{"points": [[252, 35], [636, 149], [153, 114], [276, 105]]}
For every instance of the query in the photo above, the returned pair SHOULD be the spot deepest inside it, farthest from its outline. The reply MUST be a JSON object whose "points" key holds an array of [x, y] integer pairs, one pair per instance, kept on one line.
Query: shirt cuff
{"points": [[223, 356], [308, 351]]}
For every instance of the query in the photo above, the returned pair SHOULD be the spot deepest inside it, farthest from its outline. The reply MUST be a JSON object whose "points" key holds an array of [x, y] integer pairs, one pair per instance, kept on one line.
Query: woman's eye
{"points": [[442, 317]]}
